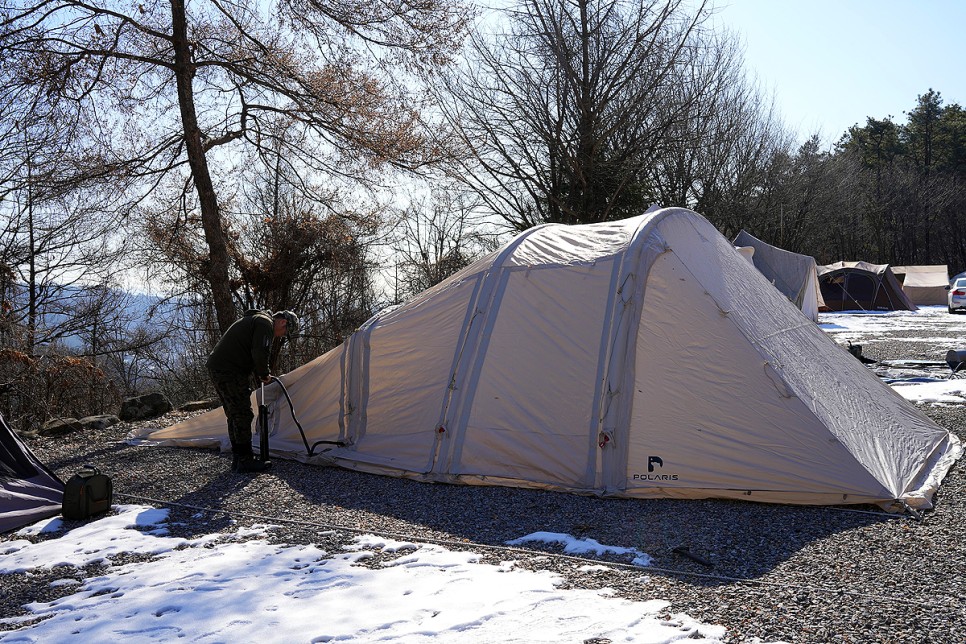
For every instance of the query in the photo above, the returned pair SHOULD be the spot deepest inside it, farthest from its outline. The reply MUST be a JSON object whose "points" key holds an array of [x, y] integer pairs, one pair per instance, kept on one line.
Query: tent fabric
{"points": [[29, 491], [643, 358], [861, 286], [795, 275], [748, 252], [924, 285]]}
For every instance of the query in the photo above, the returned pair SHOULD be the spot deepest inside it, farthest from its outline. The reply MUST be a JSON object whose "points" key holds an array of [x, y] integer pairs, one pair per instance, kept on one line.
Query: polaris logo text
{"points": [[652, 463]]}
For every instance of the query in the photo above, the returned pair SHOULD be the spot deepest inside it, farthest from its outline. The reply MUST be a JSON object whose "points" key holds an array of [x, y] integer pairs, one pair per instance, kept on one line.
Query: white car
{"points": [[957, 295]]}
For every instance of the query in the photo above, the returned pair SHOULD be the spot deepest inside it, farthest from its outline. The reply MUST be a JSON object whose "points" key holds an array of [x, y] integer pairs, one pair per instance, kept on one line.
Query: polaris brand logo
{"points": [[654, 462]]}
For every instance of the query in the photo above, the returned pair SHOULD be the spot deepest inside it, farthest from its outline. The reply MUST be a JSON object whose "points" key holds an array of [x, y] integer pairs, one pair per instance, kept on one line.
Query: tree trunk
{"points": [[210, 214], [32, 294]]}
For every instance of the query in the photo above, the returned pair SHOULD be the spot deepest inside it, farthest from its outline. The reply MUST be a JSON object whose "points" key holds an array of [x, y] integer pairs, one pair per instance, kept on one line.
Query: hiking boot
{"points": [[250, 465]]}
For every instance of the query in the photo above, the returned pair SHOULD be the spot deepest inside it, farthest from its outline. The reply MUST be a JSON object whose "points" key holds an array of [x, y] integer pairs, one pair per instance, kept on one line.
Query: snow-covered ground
{"points": [[933, 324], [240, 588], [929, 380]]}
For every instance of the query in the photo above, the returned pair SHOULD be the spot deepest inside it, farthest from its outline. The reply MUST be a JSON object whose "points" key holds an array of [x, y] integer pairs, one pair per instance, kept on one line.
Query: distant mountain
{"points": [[71, 315]]}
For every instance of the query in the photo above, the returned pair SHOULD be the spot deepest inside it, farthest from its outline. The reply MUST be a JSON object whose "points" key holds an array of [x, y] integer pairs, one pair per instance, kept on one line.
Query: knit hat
{"points": [[292, 326]]}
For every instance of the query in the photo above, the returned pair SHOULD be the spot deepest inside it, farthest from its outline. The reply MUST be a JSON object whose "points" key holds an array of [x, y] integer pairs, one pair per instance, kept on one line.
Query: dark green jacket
{"points": [[246, 346]]}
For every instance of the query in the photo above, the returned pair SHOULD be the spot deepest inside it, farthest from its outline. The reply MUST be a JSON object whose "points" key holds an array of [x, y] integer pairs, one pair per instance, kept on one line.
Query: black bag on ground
{"points": [[87, 493]]}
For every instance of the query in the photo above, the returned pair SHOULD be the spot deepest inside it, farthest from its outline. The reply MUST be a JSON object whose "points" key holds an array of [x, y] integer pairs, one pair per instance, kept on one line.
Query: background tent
{"points": [[795, 275], [636, 358], [28, 490], [860, 286], [923, 285]]}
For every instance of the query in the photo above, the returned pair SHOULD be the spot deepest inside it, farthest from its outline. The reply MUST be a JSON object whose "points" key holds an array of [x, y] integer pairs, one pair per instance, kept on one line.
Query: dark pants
{"points": [[235, 392]]}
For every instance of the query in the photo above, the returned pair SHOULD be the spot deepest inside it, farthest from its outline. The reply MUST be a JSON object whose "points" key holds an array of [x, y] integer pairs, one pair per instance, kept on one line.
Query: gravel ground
{"points": [[775, 573]]}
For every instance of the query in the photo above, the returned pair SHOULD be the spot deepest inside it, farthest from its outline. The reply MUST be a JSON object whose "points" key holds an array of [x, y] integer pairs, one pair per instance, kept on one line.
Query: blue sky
{"points": [[832, 63]]}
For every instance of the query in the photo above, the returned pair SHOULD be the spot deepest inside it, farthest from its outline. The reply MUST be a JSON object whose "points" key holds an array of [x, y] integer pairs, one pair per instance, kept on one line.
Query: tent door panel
{"points": [[533, 396]]}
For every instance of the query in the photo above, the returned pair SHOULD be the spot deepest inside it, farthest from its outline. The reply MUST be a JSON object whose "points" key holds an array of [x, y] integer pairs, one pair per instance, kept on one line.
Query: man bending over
{"points": [[241, 352]]}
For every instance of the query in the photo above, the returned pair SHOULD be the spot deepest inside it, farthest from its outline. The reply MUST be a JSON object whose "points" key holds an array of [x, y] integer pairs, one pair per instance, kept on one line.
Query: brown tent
{"points": [[28, 490], [861, 286], [924, 284]]}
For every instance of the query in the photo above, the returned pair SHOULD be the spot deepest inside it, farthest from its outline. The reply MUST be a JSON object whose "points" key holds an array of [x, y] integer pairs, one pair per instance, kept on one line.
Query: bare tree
{"points": [[176, 364], [565, 110], [165, 90], [291, 243], [303, 257], [61, 247], [717, 156], [57, 252], [437, 235]]}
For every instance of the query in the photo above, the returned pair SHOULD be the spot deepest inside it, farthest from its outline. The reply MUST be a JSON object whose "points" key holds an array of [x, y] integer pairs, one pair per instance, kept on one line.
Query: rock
{"points": [[145, 407], [60, 426], [197, 405], [102, 421]]}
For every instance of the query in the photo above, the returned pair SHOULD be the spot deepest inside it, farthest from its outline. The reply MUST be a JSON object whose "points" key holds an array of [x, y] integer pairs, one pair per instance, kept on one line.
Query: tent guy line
{"points": [[811, 588]]}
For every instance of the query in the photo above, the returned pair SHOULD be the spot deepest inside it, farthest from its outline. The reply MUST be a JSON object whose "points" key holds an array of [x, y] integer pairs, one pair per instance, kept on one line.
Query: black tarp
{"points": [[28, 490]]}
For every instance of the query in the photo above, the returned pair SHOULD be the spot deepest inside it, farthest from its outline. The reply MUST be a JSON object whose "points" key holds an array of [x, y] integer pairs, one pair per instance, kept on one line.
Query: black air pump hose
{"points": [[309, 449]]}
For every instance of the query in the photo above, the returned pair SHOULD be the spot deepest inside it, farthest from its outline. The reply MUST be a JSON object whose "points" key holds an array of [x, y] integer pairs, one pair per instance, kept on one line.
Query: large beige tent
{"points": [[639, 358], [924, 285], [793, 274]]}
